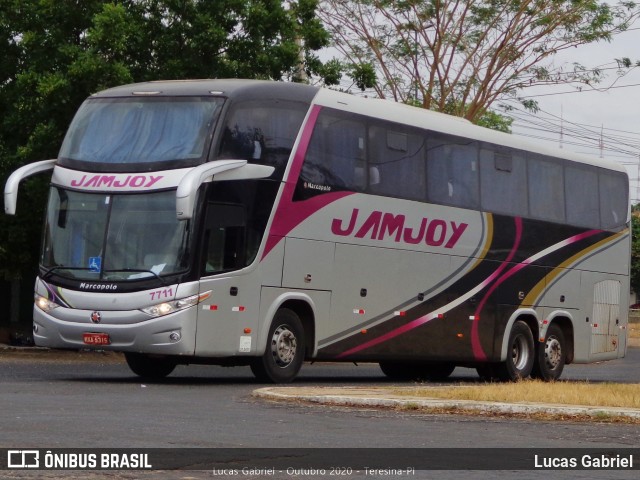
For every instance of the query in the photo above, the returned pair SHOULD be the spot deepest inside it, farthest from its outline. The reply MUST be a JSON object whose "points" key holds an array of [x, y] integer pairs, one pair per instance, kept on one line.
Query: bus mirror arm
{"points": [[213, 171], [11, 187]]}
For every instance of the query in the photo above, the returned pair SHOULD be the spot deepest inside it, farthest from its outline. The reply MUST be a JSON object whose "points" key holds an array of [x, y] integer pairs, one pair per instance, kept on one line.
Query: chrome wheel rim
{"points": [[519, 352], [284, 346], [552, 353]]}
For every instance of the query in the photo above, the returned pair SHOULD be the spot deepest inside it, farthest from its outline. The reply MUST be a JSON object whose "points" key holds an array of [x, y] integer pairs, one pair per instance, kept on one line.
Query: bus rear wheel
{"points": [[417, 371], [487, 372], [520, 354], [146, 366], [550, 355], [285, 350]]}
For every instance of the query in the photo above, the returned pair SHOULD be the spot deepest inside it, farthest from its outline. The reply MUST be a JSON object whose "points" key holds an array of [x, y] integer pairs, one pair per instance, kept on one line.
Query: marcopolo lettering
{"points": [[98, 286], [382, 225], [117, 181]]}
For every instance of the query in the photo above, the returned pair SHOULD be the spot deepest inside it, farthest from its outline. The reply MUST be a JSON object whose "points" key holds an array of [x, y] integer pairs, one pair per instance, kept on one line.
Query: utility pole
{"points": [[601, 143]]}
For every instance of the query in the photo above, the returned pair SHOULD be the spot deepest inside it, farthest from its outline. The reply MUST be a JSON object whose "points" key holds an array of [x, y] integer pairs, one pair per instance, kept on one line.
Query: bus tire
{"points": [[520, 354], [145, 366], [436, 372], [417, 371], [550, 355], [285, 350], [487, 372], [398, 371]]}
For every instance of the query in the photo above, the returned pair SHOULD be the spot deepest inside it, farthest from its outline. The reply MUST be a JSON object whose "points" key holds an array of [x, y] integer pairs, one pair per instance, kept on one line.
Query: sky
{"points": [[601, 123]]}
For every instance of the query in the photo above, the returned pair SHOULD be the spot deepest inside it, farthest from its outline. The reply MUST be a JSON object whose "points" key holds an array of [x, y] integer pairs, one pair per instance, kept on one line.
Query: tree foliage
{"points": [[461, 56], [55, 53]]}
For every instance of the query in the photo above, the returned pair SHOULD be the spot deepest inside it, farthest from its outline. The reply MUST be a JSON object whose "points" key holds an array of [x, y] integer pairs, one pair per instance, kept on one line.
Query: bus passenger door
{"points": [[232, 308]]}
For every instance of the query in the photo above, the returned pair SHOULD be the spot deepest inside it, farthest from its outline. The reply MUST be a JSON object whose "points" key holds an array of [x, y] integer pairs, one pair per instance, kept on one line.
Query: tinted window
{"points": [[262, 133], [397, 166], [226, 232], [335, 157], [236, 219], [452, 171], [546, 189], [581, 187], [613, 199], [503, 175], [123, 132], [357, 153]]}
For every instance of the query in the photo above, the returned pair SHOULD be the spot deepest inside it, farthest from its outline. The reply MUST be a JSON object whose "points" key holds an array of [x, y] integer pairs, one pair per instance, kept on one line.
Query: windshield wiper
{"points": [[138, 271], [49, 271]]}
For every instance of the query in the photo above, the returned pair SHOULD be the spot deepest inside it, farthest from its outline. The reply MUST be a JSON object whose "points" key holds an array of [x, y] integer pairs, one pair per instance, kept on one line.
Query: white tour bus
{"points": [[238, 222]]}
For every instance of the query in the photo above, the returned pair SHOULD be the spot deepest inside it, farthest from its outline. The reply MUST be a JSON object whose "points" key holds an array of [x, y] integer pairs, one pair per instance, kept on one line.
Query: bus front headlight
{"points": [[165, 308], [44, 303]]}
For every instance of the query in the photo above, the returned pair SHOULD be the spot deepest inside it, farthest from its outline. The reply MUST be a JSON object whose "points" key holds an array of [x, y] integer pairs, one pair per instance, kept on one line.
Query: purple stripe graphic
{"points": [[477, 348], [478, 352]]}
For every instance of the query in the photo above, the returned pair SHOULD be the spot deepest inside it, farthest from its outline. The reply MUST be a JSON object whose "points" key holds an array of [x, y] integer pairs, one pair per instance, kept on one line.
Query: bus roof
{"points": [[383, 109], [231, 88]]}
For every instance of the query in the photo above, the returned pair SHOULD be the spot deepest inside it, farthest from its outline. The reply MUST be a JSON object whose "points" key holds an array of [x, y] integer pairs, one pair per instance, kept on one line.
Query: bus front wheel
{"points": [[284, 354], [520, 354], [146, 366], [550, 355]]}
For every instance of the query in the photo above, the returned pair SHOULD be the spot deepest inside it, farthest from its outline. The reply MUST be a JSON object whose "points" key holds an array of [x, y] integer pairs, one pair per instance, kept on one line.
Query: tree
{"points": [[174, 39], [55, 53], [462, 56]]}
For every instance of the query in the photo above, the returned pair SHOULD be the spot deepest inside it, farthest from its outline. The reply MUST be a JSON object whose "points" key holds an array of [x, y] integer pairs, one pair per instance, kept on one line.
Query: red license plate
{"points": [[96, 338]]}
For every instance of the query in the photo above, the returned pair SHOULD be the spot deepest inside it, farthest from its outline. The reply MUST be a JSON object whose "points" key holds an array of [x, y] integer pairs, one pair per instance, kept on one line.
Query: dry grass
{"points": [[536, 391]]}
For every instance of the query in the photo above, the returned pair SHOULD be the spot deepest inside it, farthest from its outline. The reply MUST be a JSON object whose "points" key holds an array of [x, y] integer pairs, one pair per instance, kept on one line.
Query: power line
{"points": [[599, 90]]}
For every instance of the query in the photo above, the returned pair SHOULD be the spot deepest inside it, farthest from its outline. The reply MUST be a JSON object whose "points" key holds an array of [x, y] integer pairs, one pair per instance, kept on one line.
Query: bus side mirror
{"points": [[11, 187], [213, 171]]}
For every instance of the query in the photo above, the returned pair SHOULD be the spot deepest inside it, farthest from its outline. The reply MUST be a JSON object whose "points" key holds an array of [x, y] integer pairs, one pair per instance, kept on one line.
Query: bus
{"points": [[265, 224]]}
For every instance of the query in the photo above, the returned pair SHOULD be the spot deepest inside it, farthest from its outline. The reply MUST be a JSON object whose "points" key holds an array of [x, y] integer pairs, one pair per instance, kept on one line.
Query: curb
{"points": [[371, 397], [25, 348]]}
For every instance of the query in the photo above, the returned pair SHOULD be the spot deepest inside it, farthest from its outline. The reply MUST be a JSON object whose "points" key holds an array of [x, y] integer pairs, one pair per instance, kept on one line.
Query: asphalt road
{"points": [[91, 400]]}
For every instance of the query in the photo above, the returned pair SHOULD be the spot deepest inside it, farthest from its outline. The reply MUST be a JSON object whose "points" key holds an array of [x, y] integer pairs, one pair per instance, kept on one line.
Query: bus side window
{"points": [[263, 133], [546, 189], [225, 231], [503, 180], [335, 158], [397, 165], [582, 205], [614, 190], [345, 144], [452, 171]]}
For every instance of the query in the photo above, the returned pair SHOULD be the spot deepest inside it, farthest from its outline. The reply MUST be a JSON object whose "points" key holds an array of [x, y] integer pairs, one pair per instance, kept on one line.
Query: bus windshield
{"points": [[141, 130], [91, 236]]}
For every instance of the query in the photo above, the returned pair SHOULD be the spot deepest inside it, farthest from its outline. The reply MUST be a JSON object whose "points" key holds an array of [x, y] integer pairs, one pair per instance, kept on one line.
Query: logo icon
{"points": [[23, 459], [96, 317], [95, 264]]}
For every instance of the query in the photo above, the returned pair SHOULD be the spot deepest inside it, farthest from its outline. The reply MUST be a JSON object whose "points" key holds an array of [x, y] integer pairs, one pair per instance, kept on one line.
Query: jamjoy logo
{"points": [[116, 181], [384, 226], [96, 317], [23, 459]]}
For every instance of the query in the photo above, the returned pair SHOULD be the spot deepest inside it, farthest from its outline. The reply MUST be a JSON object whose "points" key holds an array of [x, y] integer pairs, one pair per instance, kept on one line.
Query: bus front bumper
{"points": [[173, 334]]}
